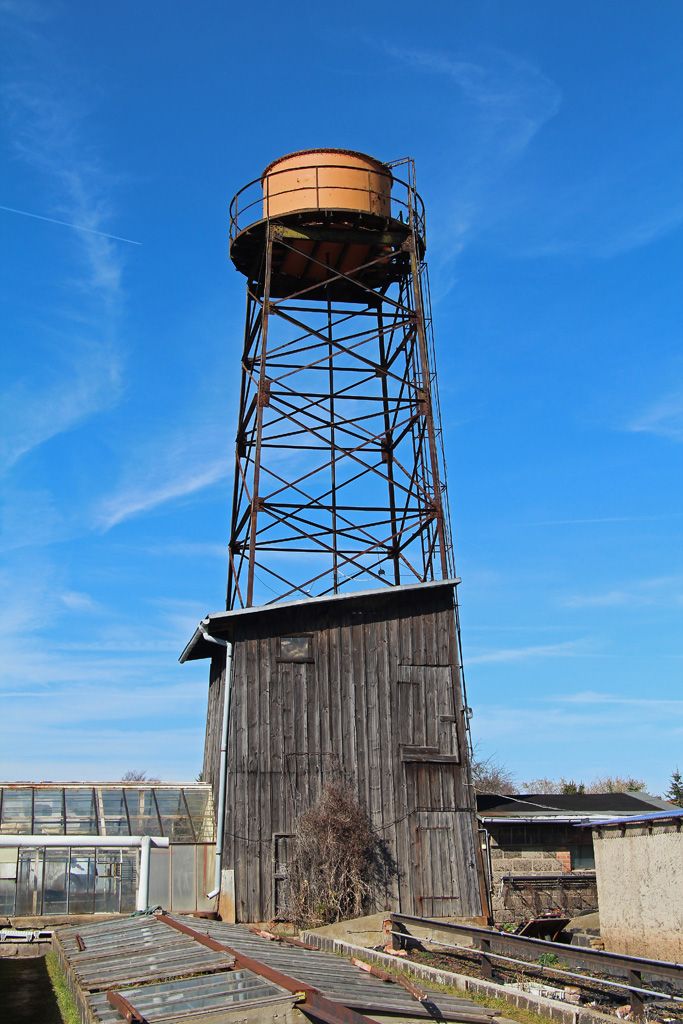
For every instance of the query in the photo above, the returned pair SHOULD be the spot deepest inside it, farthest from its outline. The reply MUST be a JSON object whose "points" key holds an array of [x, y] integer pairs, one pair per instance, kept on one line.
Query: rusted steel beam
{"points": [[311, 1001], [80, 944], [126, 1009], [274, 937], [374, 971], [637, 1004]]}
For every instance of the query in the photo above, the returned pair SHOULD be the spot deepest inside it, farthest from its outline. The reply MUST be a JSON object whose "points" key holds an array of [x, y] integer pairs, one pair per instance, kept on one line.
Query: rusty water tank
{"points": [[326, 179]]}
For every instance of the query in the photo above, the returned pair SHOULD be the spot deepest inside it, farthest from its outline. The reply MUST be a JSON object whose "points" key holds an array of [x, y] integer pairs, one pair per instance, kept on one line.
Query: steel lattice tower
{"points": [[339, 476]]}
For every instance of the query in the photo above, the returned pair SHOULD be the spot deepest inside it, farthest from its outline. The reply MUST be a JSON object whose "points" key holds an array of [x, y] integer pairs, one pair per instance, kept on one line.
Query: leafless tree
{"points": [[490, 775], [138, 775]]}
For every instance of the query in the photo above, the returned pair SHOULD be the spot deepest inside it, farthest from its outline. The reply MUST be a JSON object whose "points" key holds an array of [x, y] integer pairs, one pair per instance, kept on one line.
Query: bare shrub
{"points": [[337, 860]]}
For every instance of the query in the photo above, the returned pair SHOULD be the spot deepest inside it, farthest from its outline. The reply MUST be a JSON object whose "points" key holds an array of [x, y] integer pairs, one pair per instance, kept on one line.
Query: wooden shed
{"points": [[363, 687]]}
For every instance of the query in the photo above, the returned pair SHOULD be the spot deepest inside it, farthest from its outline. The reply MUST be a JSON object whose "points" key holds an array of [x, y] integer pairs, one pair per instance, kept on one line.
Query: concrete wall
{"points": [[640, 889]]}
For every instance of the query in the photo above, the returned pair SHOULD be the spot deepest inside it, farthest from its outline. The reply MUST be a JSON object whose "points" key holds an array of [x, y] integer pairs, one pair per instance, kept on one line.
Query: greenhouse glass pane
{"points": [[82, 881], [144, 820], [81, 812], [201, 808], [16, 811], [114, 812], [129, 880], [55, 880], [175, 820], [48, 812]]}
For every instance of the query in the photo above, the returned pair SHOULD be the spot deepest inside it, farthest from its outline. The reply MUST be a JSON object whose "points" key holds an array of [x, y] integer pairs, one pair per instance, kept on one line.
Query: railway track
{"points": [[606, 979]]}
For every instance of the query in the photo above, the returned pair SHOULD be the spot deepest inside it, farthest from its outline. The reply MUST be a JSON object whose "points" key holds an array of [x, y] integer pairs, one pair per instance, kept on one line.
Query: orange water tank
{"points": [[328, 179]]}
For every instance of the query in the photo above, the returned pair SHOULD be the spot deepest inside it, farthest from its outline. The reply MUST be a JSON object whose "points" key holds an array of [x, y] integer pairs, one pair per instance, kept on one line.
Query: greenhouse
{"points": [[74, 877]]}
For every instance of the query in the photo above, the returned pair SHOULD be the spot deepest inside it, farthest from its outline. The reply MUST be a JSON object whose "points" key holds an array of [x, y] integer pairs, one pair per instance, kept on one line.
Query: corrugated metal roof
{"points": [[220, 624], [633, 818]]}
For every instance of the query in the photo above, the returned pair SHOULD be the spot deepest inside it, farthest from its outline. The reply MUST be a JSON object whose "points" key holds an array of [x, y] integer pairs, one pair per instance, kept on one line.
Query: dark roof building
{"points": [[574, 805], [538, 860]]}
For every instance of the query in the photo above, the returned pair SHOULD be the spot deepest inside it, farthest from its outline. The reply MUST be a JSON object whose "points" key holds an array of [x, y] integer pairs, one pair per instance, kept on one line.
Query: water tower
{"points": [[337, 476], [338, 656]]}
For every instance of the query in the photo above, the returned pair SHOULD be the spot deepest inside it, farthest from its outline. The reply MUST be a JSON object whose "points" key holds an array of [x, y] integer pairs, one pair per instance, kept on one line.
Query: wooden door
{"points": [[427, 710]]}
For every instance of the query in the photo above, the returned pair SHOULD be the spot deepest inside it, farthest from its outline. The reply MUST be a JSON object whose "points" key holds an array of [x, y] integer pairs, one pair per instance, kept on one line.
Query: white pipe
{"points": [[222, 767], [113, 842], [142, 900]]}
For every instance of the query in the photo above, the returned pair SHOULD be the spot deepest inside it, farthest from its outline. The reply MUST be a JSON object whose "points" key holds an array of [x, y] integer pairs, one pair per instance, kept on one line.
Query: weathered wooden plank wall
{"points": [[379, 704]]}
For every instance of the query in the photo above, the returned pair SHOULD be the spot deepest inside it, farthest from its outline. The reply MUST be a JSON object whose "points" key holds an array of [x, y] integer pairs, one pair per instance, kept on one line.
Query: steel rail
{"points": [[663, 968], [603, 960], [552, 970]]}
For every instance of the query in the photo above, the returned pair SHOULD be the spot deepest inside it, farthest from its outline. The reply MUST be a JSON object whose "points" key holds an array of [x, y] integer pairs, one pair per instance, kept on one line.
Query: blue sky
{"points": [[547, 138]]}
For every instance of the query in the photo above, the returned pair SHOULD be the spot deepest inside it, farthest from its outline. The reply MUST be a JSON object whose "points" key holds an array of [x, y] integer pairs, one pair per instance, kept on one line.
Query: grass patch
{"points": [[67, 1007]]}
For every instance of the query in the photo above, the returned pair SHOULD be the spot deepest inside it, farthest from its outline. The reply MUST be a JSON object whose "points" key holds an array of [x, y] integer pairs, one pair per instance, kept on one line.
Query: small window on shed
{"points": [[583, 857], [296, 648]]}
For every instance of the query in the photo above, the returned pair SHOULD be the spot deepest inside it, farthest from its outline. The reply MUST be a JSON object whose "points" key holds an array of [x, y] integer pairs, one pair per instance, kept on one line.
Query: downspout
{"points": [[222, 768]]}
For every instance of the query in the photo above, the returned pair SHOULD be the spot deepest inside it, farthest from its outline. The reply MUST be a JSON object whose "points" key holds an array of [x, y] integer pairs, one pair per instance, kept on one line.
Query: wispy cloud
{"points": [[502, 103], [83, 380], [176, 474], [663, 590], [77, 602], [663, 418], [590, 697], [79, 371], [508, 655]]}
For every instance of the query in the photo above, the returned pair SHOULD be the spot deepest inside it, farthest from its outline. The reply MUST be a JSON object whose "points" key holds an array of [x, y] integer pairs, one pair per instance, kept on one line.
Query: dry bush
{"points": [[337, 861]]}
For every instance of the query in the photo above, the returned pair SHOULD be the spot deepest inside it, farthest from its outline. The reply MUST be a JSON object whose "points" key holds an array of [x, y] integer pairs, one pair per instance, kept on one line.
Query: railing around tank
{"points": [[405, 202]]}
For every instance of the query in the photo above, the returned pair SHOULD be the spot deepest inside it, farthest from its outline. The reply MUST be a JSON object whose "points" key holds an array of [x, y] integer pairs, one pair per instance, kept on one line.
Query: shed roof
{"points": [[221, 624], [547, 805], [675, 813]]}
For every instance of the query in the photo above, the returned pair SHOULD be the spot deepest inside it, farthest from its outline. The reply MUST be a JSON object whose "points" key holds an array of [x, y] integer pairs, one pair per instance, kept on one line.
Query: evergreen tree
{"points": [[675, 791]]}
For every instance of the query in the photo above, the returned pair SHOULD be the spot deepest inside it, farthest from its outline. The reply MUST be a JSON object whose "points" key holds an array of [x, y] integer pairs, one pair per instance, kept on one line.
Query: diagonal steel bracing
{"points": [[338, 466]]}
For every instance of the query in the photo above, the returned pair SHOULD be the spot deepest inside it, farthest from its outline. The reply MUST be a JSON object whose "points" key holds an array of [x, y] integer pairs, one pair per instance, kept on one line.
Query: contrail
{"points": [[65, 224]]}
